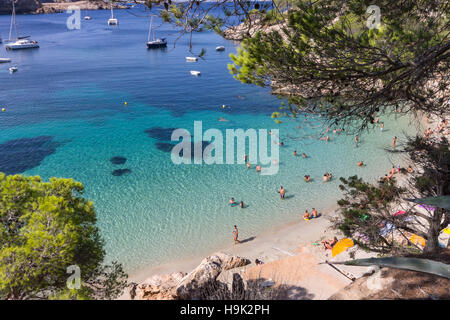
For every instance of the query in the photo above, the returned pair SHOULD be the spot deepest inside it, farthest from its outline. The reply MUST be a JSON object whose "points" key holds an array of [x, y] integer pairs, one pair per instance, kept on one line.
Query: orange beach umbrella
{"points": [[417, 240], [341, 246]]}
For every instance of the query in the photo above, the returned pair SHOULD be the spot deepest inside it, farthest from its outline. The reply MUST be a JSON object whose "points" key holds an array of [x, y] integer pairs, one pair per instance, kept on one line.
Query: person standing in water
{"points": [[356, 141], [394, 141], [236, 235], [282, 192]]}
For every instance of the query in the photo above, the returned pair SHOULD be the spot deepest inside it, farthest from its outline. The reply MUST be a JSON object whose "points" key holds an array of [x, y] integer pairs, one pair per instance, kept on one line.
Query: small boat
{"points": [[87, 18], [195, 73], [220, 48], [13, 69], [191, 59], [19, 42], [5, 60], [112, 21], [155, 43]]}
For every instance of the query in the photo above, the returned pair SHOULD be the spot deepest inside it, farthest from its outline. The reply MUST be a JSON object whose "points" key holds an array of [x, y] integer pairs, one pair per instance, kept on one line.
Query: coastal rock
{"points": [[60, 6], [22, 6], [158, 287], [193, 286], [389, 283]]}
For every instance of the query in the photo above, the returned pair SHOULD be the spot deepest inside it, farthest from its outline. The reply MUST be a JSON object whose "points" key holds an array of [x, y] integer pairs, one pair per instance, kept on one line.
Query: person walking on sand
{"points": [[394, 141], [356, 141], [236, 235]]}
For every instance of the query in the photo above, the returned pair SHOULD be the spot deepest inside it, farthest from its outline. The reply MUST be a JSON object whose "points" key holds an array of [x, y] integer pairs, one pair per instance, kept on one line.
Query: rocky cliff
{"points": [[22, 6]]}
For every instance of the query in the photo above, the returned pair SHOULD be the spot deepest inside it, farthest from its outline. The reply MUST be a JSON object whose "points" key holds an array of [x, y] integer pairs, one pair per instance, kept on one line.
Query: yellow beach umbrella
{"points": [[417, 240], [447, 230], [341, 246]]}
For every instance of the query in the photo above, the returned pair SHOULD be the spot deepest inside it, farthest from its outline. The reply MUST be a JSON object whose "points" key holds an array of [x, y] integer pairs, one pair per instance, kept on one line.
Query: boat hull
{"points": [[21, 46], [156, 45]]}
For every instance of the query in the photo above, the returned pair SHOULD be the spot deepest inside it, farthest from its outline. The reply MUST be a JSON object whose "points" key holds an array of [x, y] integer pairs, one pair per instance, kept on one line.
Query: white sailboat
{"points": [[112, 21], [154, 43], [18, 42]]}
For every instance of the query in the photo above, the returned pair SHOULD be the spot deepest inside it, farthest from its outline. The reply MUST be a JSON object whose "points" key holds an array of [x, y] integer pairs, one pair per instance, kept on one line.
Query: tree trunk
{"points": [[433, 231]]}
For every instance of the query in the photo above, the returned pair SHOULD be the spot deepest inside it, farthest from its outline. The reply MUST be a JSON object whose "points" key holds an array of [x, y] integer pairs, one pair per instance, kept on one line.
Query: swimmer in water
{"points": [[222, 119], [360, 164], [356, 140], [304, 155], [241, 204], [232, 201], [295, 153], [307, 178], [248, 165], [258, 168], [245, 158]]}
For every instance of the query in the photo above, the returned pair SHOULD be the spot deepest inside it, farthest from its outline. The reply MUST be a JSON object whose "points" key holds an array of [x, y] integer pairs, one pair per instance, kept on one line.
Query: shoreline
{"points": [[271, 245]]}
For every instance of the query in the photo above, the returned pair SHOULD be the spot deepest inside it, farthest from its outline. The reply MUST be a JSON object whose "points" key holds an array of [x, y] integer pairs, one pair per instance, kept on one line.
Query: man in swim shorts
{"points": [[282, 192]]}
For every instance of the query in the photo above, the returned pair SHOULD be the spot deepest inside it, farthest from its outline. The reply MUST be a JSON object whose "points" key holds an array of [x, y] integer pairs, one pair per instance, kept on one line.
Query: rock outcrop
{"points": [[192, 286], [22, 6], [60, 6], [205, 275], [387, 284]]}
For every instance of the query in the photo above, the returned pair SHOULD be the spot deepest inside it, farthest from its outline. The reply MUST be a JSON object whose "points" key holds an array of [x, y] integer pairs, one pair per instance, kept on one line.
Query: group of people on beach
{"points": [[313, 214]]}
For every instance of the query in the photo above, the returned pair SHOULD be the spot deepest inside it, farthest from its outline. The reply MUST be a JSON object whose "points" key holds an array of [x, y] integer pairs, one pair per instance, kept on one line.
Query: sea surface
{"points": [[89, 95]]}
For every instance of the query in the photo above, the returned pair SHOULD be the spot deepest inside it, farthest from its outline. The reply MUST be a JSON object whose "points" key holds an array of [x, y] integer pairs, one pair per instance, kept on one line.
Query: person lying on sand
{"points": [[410, 169], [258, 262], [329, 244]]}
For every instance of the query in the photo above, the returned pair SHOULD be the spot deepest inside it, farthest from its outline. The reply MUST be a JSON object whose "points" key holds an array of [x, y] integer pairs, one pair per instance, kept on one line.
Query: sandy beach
{"points": [[292, 256]]}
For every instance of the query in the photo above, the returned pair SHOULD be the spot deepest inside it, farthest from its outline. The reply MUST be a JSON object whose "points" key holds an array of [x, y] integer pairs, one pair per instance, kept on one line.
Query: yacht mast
{"points": [[13, 21], [150, 29]]}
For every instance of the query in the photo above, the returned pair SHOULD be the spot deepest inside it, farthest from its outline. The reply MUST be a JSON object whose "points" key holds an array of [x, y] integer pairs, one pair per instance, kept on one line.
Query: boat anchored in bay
{"points": [[154, 43], [18, 42]]}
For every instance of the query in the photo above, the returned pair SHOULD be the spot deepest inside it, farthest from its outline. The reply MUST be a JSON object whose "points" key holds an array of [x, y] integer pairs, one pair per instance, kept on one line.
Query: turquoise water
{"points": [[65, 116]]}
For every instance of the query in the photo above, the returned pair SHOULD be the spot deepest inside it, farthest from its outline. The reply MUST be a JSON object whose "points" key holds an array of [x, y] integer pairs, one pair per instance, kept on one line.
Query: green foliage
{"points": [[325, 52], [44, 228]]}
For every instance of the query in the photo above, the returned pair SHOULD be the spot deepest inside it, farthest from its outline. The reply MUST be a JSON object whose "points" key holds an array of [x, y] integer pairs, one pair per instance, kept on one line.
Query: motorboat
{"points": [[220, 48], [195, 73], [5, 60], [191, 59], [87, 18], [13, 69]]}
